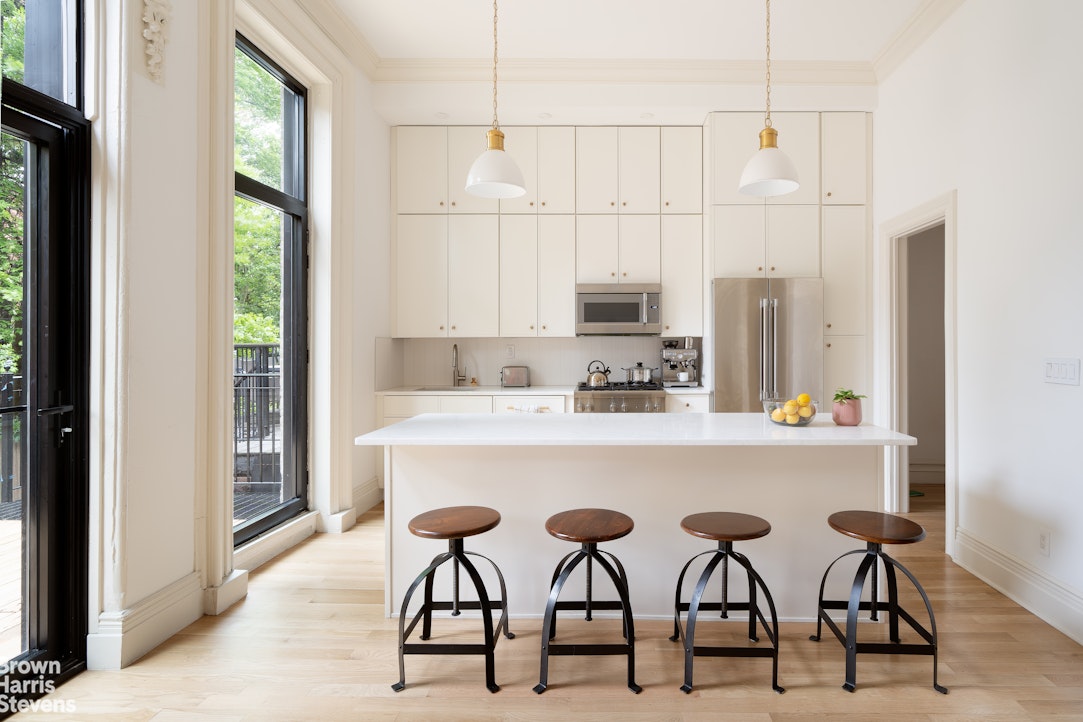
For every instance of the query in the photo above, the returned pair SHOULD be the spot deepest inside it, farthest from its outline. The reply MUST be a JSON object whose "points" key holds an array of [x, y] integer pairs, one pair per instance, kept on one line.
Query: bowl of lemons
{"points": [[797, 411]]}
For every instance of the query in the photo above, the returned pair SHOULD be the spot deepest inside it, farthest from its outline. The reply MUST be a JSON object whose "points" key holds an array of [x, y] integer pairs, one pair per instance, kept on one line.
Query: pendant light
{"points": [[494, 174], [770, 172]]}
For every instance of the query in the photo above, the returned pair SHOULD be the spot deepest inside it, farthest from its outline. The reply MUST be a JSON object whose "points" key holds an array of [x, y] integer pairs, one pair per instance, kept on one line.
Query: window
{"points": [[270, 334]]}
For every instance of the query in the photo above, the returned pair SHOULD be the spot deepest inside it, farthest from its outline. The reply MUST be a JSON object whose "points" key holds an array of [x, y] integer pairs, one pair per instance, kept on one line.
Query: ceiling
{"points": [[416, 48]]}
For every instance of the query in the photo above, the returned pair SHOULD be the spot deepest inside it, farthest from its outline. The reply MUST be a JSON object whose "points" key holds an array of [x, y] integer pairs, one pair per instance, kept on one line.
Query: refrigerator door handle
{"points": [[774, 348], [765, 351]]}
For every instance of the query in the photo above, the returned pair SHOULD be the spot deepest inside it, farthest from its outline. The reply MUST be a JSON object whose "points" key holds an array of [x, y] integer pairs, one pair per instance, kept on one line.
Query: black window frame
{"points": [[292, 203]]}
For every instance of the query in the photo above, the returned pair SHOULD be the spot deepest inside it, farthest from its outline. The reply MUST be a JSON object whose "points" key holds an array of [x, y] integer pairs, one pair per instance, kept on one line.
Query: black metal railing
{"points": [[257, 416], [12, 439]]}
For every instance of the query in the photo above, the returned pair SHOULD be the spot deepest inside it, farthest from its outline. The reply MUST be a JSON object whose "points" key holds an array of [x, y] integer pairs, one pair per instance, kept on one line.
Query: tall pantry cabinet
{"points": [[820, 230]]}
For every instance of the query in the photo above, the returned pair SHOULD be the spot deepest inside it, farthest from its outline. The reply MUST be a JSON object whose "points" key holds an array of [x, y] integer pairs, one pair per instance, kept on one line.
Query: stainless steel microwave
{"points": [[618, 309]]}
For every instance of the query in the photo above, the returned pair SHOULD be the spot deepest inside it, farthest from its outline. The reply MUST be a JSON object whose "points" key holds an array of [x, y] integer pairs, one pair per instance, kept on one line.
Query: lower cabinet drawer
{"points": [[466, 404], [687, 403], [528, 404]]}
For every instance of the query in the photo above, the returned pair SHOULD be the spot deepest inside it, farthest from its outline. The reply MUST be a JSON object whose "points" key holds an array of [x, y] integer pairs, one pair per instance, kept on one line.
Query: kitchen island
{"points": [[657, 468]]}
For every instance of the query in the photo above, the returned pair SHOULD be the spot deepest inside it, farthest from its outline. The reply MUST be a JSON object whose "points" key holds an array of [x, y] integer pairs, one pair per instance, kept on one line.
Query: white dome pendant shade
{"points": [[770, 172], [495, 174]]}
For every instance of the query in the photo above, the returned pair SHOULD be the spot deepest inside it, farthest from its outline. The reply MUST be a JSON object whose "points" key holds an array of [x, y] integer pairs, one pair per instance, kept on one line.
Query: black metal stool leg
{"points": [[426, 577], [486, 618], [820, 612], [550, 615], [892, 598], [851, 620], [626, 610], [677, 596], [772, 631], [503, 596], [929, 636], [693, 614]]}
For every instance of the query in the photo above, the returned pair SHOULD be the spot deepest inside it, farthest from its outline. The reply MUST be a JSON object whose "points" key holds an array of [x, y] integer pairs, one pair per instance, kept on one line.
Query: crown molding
{"points": [[627, 71], [343, 34], [925, 21]]}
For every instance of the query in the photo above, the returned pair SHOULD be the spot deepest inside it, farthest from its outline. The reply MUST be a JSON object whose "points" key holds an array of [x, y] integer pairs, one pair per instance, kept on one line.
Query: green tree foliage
{"points": [[12, 199], [258, 132]]}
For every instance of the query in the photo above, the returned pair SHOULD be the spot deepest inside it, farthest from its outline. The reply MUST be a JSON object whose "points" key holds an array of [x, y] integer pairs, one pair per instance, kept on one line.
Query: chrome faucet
{"points": [[456, 377]]}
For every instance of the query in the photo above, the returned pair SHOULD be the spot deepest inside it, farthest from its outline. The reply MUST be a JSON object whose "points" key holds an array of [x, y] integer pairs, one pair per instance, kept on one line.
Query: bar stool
{"points": [[725, 528], [876, 529], [454, 523], [588, 527]]}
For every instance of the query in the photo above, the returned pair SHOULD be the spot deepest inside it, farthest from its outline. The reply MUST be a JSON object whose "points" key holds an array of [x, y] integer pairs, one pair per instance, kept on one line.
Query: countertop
{"points": [[514, 390], [750, 429]]}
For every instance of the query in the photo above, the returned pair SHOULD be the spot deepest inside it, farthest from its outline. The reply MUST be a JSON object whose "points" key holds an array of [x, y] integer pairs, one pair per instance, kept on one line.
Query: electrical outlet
{"points": [[509, 350], [1045, 542]]}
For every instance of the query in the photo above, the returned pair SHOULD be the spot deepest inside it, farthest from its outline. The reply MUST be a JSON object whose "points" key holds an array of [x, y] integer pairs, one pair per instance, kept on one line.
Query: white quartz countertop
{"points": [[623, 430], [480, 390]]}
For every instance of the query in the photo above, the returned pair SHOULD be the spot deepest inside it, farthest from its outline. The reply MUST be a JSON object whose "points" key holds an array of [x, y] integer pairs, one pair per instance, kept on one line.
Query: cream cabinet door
{"points": [[640, 249], [464, 145], [420, 169], [421, 276], [735, 138], [473, 285], [845, 158], [596, 170], [682, 170], [739, 235], [466, 404], [845, 240], [682, 275], [596, 249], [687, 403], [529, 404], [521, 145], [793, 241], [845, 365], [639, 169], [556, 170], [556, 276], [519, 275]]}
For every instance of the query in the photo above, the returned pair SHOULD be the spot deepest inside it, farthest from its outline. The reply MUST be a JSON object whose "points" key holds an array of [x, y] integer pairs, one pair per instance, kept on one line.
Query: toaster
{"points": [[515, 376]]}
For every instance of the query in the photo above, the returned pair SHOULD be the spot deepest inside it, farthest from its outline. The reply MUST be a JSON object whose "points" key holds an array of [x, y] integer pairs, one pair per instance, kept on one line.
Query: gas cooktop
{"points": [[621, 386]]}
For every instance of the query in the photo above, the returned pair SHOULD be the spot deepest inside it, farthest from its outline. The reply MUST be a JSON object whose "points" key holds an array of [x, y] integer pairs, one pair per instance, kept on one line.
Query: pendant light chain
{"points": [[496, 123], [767, 120]]}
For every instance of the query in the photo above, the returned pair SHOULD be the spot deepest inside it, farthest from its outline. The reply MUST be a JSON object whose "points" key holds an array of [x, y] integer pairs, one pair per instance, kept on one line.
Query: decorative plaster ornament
{"points": [[156, 20]]}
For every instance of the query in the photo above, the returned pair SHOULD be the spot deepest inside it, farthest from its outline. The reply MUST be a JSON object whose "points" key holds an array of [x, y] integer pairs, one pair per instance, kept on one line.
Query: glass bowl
{"points": [[788, 412]]}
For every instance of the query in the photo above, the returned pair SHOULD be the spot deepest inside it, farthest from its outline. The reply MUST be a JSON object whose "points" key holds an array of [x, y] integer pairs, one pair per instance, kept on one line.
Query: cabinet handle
{"points": [[612, 203], [441, 203], [624, 203], [667, 203], [829, 194], [543, 204], [612, 274], [759, 268], [453, 204], [687, 405], [544, 327], [531, 204], [829, 325], [667, 326], [531, 327], [441, 328], [625, 274], [829, 345], [772, 268]]}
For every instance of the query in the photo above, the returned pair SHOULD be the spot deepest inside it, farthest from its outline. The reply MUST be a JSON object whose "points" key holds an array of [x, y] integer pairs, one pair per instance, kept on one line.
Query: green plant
{"points": [[843, 395]]}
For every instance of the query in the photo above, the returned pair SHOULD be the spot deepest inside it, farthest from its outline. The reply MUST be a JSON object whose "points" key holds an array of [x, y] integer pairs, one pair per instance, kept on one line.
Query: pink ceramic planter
{"points": [[846, 413]]}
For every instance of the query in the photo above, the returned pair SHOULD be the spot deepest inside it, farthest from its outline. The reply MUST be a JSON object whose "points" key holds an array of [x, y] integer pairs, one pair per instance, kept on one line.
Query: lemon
{"points": [[778, 415], [790, 407], [792, 418], [804, 412], [803, 399]]}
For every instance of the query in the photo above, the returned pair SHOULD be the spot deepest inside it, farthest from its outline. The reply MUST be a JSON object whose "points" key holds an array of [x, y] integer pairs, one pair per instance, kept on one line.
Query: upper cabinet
{"points": [[682, 170], [766, 241], [537, 275], [618, 250], [546, 156], [618, 170], [735, 137], [431, 163], [845, 158]]}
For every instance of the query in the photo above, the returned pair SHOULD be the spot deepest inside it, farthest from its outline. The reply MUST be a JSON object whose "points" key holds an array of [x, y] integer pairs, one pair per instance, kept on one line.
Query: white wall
{"points": [[986, 106]]}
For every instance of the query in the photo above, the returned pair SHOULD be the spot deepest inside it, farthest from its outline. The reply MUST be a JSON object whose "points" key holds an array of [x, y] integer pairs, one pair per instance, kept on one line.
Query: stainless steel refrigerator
{"points": [[768, 340]]}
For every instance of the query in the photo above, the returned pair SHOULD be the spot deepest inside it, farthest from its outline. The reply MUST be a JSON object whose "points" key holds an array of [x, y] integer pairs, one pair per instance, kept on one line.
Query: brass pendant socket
{"points": [[768, 138], [496, 139]]}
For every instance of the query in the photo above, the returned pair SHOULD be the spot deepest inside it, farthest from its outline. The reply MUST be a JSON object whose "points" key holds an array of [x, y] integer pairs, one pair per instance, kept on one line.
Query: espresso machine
{"points": [[679, 364]]}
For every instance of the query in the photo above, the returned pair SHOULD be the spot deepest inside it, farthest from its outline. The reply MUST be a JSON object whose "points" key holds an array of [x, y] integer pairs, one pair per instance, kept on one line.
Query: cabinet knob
{"points": [[441, 203], [612, 274], [453, 204], [667, 203], [441, 328], [686, 404], [612, 203], [531, 327], [759, 268], [772, 268], [625, 274], [452, 328], [532, 204], [667, 326], [829, 325], [624, 203], [829, 345], [543, 204], [829, 194], [544, 327]]}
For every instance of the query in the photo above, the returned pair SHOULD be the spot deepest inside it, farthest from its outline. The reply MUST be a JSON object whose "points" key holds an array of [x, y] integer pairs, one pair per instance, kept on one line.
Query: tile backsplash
{"points": [[552, 361]]}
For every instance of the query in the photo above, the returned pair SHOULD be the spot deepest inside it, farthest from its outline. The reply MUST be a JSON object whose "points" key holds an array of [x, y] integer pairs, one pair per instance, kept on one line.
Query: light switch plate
{"points": [[1062, 371]]}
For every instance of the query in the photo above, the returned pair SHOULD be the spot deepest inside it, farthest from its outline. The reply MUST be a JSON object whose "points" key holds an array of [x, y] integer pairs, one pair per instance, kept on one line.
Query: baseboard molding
{"points": [[1033, 589], [266, 547], [232, 590], [124, 636], [921, 473], [367, 495]]}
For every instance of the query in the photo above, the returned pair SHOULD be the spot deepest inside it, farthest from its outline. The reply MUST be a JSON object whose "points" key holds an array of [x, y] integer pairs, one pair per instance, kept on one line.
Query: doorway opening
{"points": [[919, 361]]}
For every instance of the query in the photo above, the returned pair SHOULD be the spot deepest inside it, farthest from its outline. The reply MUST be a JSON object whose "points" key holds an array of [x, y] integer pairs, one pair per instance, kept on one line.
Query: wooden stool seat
{"points": [[725, 526], [589, 526], [876, 527], [454, 522]]}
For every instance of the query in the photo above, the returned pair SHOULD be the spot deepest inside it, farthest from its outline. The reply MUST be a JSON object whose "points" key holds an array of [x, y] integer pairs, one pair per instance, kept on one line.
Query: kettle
{"points": [[599, 376]]}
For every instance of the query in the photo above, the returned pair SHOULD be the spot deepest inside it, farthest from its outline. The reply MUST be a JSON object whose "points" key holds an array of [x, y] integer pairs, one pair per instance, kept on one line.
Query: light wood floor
{"points": [[310, 642]]}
